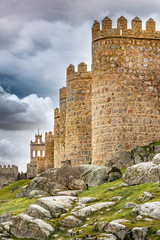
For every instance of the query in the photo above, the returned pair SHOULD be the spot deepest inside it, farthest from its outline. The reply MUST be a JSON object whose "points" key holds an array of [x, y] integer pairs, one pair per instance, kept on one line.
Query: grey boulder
{"points": [[117, 228], [102, 225], [156, 159], [150, 209], [23, 192], [142, 173], [37, 211], [129, 205], [5, 217], [77, 184], [25, 226], [70, 221], [121, 159], [57, 204], [146, 196], [85, 200], [97, 176], [36, 193], [139, 233], [86, 211], [107, 236]]}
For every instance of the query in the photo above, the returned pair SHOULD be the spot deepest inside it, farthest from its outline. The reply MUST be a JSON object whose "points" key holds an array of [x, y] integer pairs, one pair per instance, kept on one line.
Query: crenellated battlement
{"points": [[122, 30], [9, 167], [114, 107], [48, 135], [8, 174], [62, 93], [81, 73]]}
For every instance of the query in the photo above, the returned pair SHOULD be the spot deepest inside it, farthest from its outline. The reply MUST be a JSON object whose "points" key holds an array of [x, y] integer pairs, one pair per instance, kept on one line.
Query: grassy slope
{"points": [[13, 204], [129, 194]]}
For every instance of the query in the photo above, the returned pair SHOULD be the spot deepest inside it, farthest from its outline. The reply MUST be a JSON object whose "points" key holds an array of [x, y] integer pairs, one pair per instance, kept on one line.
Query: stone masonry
{"points": [[115, 106], [42, 155], [8, 175], [125, 87]]}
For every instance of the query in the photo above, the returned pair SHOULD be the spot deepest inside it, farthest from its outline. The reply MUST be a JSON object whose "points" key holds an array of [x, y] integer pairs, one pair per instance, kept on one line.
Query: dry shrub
{"points": [[66, 174]]}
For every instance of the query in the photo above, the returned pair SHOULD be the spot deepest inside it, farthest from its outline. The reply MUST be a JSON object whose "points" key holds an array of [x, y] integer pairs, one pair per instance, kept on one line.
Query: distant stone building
{"points": [[8, 175], [41, 155], [115, 106], [37, 153]]}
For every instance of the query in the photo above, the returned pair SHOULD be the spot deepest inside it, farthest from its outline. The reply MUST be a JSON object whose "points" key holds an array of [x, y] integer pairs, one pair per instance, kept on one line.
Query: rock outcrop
{"points": [[86, 211], [66, 178], [116, 227], [150, 209], [139, 233], [25, 226], [56, 205], [70, 221], [121, 159], [37, 211], [142, 173]]}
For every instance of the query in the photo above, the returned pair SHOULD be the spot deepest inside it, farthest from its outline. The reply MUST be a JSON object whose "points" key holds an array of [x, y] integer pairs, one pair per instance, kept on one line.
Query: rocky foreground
{"points": [[120, 211]]}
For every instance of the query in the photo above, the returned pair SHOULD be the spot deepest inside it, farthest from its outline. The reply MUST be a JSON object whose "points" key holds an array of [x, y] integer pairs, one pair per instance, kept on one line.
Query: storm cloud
{"points": [[25, 113], [38, 40], [74, 12], [36, 60]]}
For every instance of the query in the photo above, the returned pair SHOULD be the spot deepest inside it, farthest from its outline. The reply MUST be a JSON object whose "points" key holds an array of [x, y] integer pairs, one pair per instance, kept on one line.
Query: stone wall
{"points": [[37, 151], [37, 148], [78, 116], [31, 170], [49, 150], [125, 87], [62, 127], [8, 175], [57, 160], [116, 106]]}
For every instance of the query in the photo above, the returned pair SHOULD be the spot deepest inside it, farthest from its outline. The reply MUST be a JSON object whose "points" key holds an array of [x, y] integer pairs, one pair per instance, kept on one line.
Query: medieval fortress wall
{"points": [[125, 87], [114, 107], [8, 174]]}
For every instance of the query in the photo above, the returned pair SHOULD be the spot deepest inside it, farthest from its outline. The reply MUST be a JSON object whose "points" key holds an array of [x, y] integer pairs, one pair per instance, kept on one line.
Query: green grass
{"points": [[13, 204], [129, 194]]}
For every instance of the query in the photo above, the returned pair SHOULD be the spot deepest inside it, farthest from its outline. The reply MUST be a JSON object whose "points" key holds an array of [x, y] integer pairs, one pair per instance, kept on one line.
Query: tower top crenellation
{"points": [[122, 29], [81, 72]]}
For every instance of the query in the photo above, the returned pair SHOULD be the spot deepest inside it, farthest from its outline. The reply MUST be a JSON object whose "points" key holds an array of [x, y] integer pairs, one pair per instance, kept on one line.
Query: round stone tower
{"points": [[125, 87], [49, 150], [78, 116]]}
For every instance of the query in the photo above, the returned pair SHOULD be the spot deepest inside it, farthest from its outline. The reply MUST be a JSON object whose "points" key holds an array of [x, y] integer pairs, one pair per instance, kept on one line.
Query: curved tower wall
{"points": [[125, 87], [49, 150], [78, 116], [62, 128], [56, 138]]}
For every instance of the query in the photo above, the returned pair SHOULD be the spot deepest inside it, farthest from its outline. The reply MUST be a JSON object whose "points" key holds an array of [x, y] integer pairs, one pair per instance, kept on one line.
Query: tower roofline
{"points": [[123, 31]]}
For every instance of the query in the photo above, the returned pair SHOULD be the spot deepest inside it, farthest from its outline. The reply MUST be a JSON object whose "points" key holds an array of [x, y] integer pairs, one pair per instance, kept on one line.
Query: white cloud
{"points": [[13, 153], [21, 117]]}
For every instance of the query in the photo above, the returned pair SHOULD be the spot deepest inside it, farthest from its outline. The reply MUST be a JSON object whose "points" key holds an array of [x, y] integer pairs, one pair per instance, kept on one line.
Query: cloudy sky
{"points": [[38, 40]]}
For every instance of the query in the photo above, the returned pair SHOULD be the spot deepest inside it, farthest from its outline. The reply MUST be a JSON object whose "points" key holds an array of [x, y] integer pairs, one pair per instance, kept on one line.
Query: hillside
{"points": [[8, 201], [89, 228]]}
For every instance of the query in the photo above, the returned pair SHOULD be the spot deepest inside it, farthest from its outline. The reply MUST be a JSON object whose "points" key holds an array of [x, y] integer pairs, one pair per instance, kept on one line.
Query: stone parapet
{"points": [[8, 174], [125, 88], [122, 30]]}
